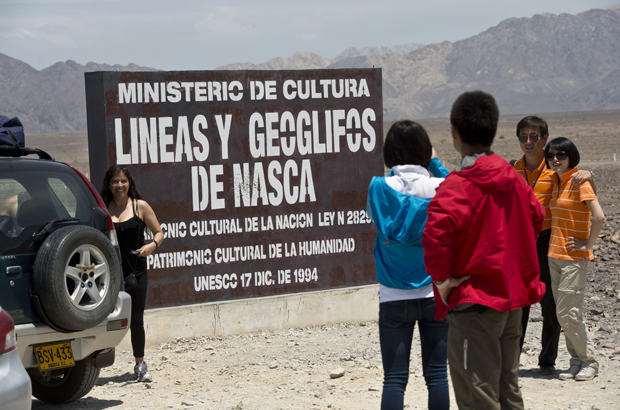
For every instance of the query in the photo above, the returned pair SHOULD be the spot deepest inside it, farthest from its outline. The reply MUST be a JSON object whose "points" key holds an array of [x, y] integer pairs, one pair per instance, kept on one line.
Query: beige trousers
{"points": [[568, 283]]}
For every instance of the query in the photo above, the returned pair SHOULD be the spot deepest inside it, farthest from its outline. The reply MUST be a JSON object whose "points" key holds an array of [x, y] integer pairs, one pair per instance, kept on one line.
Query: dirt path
{"points": [[290, 369]]}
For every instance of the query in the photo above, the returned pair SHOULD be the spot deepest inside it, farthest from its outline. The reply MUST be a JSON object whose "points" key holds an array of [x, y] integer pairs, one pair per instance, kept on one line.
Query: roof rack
{"points": [[16, 152]]}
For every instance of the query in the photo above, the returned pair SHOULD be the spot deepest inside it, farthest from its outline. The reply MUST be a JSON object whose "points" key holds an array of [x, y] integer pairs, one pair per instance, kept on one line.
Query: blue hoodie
{"points": [[399, 219]]}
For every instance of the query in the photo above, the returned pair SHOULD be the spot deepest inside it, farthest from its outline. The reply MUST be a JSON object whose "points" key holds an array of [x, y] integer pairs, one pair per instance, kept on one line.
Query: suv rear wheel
{"points": [[63, 385], [75, 277]]}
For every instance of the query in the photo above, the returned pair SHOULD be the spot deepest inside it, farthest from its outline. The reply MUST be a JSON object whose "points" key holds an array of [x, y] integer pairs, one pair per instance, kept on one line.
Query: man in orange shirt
{"points": [[533, 132]]}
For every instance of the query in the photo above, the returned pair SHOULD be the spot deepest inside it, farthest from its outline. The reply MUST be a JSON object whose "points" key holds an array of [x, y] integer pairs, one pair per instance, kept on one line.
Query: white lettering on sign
{"points": [[239, 254], [201, 180], [249, 253], [167, 260], [154, 140], [325, 246], [174, 92], [283, 137], [162, 140], [214, 227], [215, 282], [273, 133], [247, 194], [257, 279], [263, 91], [325, 88], [209, 227]]}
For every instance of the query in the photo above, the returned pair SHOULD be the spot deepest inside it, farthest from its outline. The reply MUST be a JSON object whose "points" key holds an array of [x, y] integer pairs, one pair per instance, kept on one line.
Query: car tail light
{"points": [[8, 339], [113, 238]]}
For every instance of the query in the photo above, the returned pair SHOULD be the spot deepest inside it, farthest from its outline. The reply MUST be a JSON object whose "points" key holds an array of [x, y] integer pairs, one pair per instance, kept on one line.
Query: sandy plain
{"points": [[290, 369]]}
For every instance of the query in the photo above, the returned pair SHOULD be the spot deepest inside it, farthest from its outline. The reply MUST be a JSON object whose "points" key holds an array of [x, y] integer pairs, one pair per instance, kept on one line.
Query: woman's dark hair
{"points": [[113, 171], [407, 143], [566, 145]]}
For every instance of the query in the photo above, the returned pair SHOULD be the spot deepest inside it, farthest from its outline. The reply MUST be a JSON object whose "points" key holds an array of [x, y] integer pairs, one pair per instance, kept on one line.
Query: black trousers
{"points": [[550, 337], [138, 303]]}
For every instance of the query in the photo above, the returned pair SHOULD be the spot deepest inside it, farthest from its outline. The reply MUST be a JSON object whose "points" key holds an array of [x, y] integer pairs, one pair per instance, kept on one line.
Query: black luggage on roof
{"points": [[13, 140], [12, 126]]}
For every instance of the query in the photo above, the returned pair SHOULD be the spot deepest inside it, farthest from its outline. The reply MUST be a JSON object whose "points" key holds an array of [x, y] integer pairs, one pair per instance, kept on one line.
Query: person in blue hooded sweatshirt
{"points": [[397, 205]]}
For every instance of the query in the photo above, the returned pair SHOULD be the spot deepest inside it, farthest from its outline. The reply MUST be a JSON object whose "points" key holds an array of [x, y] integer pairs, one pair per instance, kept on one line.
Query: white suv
{"points": [[60, 274]]}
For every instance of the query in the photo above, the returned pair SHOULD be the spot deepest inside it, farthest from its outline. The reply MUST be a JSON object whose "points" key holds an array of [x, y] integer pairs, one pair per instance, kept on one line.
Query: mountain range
{"points": [[546, 63]]}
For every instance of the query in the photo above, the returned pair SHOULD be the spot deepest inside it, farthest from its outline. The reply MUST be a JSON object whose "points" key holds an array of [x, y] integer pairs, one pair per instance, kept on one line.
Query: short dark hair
{"points": [[532, 121], [475, 116], [566, 145], [114, 170], [407, 143]]}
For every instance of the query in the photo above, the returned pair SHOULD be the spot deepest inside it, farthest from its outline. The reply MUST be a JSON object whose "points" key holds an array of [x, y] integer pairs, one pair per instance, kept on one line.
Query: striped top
{"points": [[541, 181], [571, 217]]}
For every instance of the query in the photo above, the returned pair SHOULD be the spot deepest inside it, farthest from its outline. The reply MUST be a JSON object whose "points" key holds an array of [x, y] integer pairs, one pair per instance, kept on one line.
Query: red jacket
{"points": [[483, 222]]}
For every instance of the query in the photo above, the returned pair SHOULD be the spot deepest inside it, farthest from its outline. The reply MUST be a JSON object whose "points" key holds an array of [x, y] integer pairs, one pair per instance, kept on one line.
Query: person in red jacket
{"points": [[483, 223]]}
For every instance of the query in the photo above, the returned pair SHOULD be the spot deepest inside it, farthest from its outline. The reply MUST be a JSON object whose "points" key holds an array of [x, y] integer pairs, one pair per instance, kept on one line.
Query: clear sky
{"points": [[203, 34]]}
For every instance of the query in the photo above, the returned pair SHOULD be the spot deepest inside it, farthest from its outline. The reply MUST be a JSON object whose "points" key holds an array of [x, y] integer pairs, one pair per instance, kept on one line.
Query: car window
{"points": [[64, 195], [9, 189], [30, 199], [12, 194]]}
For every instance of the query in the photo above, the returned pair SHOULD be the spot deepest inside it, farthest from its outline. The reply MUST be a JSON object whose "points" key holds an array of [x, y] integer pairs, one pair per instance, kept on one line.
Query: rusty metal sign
{"points": [[258, 178]]}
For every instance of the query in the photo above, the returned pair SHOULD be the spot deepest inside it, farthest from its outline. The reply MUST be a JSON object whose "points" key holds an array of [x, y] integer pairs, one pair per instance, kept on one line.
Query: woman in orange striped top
{"points": [[573, 206]]}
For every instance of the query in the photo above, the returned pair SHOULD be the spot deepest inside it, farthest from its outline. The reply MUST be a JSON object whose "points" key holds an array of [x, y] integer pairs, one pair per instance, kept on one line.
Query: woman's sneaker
{"points": [[142, 372], [586, 373], [570, 373]]}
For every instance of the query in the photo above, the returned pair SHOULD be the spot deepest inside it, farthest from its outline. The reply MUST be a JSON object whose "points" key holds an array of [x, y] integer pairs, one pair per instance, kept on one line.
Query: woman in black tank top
{"points": [[131, 215], [130, 235]]}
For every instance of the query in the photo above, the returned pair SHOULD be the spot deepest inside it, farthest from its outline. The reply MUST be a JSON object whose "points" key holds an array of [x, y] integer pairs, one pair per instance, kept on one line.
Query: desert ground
{"points": [[339, 366]]}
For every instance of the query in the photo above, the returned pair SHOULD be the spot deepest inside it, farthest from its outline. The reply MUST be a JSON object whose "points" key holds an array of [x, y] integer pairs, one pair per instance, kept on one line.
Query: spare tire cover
{"points": [[77, 277]]}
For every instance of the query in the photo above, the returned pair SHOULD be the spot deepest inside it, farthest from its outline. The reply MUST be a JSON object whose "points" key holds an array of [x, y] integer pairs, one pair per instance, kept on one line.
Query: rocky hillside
{"points": [[50, 100], [377, 50], [547, 63]]}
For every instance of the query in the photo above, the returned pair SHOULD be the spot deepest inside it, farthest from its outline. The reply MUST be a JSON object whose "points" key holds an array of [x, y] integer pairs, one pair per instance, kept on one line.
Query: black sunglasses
{"points": [[560, 155], [116, 166], [524, 137]]}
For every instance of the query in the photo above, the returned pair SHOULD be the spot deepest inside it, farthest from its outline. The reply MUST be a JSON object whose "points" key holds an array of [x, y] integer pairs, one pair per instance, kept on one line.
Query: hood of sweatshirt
{"points": [[491, 172], [399, 218], [413, 180]]}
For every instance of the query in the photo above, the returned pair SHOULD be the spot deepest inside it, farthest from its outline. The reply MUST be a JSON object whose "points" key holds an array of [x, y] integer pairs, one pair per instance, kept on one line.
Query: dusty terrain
{"points": [[290, 369]]}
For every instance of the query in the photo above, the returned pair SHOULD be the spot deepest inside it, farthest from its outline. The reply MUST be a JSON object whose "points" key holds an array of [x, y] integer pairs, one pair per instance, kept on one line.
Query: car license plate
{"points": [[54, 356]]}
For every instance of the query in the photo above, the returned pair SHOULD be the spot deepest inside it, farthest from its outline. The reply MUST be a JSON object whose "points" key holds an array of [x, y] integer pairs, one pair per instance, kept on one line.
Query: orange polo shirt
{"points": [[571, 217], [541, 181]]}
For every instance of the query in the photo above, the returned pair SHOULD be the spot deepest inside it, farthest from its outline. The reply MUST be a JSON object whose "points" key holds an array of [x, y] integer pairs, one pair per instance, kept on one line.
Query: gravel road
{"points": [[293, 369]]}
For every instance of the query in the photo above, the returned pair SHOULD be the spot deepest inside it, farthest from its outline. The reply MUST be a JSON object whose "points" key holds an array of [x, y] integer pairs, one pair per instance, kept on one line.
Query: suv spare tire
{"points": [[77, 277]]}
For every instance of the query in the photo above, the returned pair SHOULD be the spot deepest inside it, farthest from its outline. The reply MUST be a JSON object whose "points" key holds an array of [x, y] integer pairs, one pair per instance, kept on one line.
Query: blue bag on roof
{"points": [[14, 125]]}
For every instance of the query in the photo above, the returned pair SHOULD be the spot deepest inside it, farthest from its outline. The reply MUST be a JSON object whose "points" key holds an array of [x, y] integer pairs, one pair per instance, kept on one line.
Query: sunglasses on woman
{"points": [[116, 166], [560, 155], [524, 137]]}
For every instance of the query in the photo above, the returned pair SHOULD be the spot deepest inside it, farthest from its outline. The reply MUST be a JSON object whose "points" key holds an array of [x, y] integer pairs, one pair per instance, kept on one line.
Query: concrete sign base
{"points": [[356, 304]]}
